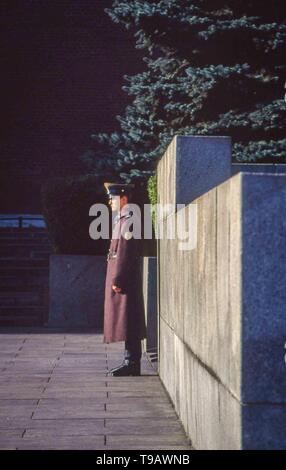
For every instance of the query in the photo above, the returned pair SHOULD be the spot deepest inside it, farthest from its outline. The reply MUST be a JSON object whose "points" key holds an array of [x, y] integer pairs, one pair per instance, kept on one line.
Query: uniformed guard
{"points": [[124, 318]]}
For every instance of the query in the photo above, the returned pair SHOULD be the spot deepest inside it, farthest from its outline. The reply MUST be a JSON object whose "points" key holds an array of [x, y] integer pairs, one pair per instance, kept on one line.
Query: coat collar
{"points": [[124, 212]]}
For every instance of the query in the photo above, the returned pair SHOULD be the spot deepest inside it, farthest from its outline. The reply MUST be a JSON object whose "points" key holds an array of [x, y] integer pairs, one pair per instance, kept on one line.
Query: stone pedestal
{"points": [[77, 290]]}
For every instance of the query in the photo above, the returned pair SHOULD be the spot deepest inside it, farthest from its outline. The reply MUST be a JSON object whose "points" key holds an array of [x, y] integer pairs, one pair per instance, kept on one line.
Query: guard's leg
{"points": [[132, 356], [133, 350]]}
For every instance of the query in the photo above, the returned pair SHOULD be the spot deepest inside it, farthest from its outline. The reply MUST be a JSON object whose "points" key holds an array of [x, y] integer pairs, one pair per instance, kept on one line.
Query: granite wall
{"points": [[222, 322]]}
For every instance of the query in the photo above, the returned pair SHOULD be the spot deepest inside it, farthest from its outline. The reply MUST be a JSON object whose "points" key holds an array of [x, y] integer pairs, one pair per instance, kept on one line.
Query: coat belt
{"points": [[111, 255]]}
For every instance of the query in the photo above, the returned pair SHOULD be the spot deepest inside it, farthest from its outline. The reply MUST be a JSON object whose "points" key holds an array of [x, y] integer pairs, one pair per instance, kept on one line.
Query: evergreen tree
{"points": [[212, 67]]}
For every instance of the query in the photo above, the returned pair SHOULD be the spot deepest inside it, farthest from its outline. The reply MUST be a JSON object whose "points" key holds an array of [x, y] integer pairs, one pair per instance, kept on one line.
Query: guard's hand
{"points": [[116, 289]]}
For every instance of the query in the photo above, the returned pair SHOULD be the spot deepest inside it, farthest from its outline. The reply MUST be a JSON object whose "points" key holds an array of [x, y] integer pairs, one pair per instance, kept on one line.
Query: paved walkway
{"points": [[54, 394]]}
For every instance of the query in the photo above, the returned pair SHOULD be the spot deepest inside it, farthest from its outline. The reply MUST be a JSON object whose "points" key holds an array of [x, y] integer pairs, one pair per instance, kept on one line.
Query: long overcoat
{"points": [[124, 316]]}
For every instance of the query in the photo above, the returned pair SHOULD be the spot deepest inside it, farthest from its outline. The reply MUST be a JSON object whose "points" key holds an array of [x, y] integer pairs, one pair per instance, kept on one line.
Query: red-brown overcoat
{"points": [[124, 316]]}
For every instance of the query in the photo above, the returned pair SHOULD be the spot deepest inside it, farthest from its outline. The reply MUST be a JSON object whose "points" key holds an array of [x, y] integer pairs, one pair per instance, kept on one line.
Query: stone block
{"points": [[275, 168], [191, 166], [263, 288], [77, 285]]}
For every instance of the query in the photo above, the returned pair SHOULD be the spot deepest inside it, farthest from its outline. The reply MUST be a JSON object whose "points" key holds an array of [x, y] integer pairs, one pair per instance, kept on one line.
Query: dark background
{"points": [[62, 63]]}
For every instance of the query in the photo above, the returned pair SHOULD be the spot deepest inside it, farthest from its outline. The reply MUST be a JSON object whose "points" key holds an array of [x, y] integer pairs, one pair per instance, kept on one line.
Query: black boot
{"points": [[127, 368]]}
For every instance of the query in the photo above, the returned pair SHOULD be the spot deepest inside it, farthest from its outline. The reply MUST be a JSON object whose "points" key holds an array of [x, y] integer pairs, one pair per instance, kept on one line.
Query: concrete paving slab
{"points": [[57, 443], [55, 394], [142, 426], [147, 441]]}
